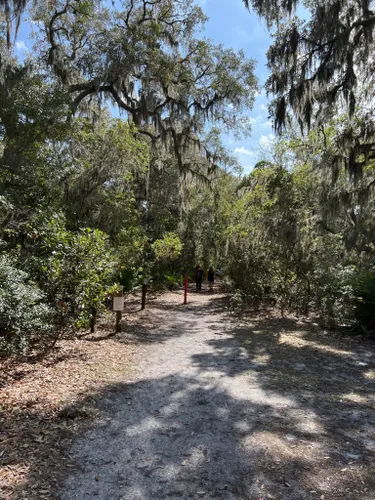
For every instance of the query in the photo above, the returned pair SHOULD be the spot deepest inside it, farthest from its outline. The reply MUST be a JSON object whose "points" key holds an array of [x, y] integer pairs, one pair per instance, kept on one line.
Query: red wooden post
{"points": [[185, 287]]}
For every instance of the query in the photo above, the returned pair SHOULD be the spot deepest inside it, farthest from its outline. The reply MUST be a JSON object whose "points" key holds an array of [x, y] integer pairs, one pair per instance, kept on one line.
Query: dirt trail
{"points": [[270, 408]]}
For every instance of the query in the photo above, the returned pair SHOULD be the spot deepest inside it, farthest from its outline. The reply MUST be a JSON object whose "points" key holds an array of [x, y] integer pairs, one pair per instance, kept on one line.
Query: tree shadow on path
{"points": [[323, 387], [174, 437], [273, 410]]}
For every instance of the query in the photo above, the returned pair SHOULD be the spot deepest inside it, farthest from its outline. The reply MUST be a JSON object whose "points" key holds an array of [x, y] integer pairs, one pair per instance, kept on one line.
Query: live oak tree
{"points": [[147, 59], [88, 200], [319, 58], [61, 181], [109, 166], [82, 199], [316, 62], [285, 246], [149, 62], [319, 62]]}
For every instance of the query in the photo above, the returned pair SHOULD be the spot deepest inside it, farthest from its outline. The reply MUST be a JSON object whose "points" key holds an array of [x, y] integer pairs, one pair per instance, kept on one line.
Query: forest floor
{"points": [[192, 402]]}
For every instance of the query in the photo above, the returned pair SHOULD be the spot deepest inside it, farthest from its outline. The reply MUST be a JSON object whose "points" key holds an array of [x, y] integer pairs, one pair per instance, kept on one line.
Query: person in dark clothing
{"points": [[198, 277], [211, 278]]}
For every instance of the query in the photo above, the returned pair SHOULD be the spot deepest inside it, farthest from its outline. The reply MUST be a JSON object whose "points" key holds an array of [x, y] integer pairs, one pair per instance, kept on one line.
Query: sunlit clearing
{"points": [[263, 358], [302, 343], [278, 446], [370, 375], [355, 398]]}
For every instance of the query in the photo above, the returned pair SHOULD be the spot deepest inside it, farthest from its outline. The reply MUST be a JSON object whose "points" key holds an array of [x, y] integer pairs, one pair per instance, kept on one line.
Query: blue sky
{"points": [[232, 25]]}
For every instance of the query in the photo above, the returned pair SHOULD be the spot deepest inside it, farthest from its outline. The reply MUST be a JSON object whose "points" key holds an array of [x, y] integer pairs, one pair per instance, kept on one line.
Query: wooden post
{"points": [[118, 321], [185, 287], [119, 311], [144, 292], [94, 315]]}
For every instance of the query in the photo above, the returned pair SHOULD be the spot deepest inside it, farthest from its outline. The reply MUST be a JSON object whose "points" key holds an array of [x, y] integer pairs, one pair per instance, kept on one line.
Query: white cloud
{"points": [[244, 151], [262, 106], [266, 124], [266, 141], [251, 120], [20, 45]]}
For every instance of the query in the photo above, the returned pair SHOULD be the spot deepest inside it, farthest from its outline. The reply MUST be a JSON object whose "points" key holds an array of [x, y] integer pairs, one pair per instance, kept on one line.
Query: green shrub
{"points": [[80, 274], [172, 281], [23, 311], [168, 249]]}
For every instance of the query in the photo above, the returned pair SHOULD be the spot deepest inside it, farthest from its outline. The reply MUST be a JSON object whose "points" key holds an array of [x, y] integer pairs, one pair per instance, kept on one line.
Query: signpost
{"points": [[118, 306], [118, 303], [144, 291]]}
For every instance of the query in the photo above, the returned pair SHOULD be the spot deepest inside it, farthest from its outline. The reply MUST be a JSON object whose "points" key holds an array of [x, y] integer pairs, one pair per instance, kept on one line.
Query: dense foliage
{"points": [[321, 63], [23, 309], [90, 201], [319, 56]]}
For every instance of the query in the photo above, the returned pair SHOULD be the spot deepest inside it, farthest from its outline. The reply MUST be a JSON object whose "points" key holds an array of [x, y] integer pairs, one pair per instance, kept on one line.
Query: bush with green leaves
{"points": [[278, 251], [172, 281], [168, 249], [79, 272], [23, 310]]}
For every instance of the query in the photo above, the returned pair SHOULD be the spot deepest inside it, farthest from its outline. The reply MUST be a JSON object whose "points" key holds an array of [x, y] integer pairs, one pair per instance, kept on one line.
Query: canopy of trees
{"points": [[89, 200], [318, 59], [321, 64]]}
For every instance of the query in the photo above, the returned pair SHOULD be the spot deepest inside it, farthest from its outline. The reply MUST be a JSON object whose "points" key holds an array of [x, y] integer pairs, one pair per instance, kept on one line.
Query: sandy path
{"points": [[215, 410]]}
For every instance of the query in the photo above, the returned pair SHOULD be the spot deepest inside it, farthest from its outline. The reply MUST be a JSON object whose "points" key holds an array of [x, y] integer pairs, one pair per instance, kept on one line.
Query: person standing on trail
{"points": [[198, 271], [211, 277]]}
